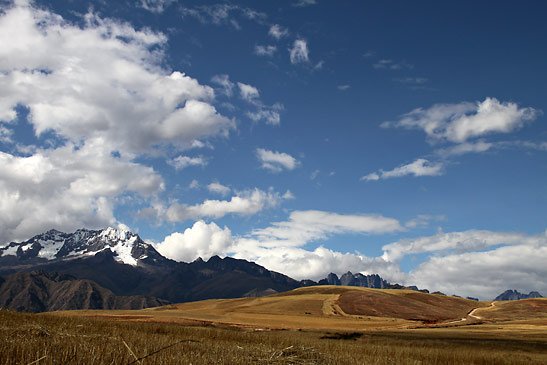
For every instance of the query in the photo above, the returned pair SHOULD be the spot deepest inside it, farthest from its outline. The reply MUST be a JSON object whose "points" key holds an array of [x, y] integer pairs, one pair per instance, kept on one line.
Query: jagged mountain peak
{"points": [[126, 246]]}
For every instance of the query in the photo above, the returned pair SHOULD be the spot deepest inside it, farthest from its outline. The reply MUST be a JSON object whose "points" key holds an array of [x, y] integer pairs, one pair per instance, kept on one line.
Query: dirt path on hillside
{"points": [[331, 308], [472, 314]]}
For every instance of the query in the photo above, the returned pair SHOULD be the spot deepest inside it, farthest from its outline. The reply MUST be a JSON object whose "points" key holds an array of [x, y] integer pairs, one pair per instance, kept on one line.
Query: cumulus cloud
{"points": [[105, 99], [299, 51], [420, 167], [460, 122], [247, 203], [181, 162], [102, 83], [201, 240], [313, 264], [481, 264], [277, 247], [464, 263], [66, 188], [276, 161], [486, 274], [218, 188], [278, 32], [265, 50], [456, 241]]}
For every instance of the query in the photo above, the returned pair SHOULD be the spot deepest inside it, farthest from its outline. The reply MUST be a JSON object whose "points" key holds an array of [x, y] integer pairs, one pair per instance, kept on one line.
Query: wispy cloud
{"points": [[304, 3], [392, 65], [277, 31], [265, 50], [181, 162], [420, 167], [299, 51]]}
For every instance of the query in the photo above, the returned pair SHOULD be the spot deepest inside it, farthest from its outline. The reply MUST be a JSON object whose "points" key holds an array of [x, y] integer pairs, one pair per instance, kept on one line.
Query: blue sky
{"points": [[401, 138]]}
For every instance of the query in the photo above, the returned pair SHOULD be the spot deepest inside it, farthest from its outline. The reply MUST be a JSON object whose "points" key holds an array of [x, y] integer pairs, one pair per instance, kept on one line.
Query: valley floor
{"points": [[315, 325]]}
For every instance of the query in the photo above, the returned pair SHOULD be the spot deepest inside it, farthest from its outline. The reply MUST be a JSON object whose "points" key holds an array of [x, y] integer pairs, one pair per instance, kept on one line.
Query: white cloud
{"points": [[248, 202], [106, 100], [457, 241], [248, 93], [460, 122], [319, 65], [268, 113], [271, 114], [181, 162], [202, 240], [96, 86], [277, 247], [194, 184], [343, 87], [223, 14], [422, 220], [278, 32], [314, 174], [463, 148], [218, 188], [473, 265], [390, 64], [224, 82], [420, 167], [305, 226], [276, 161], [303, 3], [313, 264], [299, 52], [67, 188], [265, 50], [155, 6]]}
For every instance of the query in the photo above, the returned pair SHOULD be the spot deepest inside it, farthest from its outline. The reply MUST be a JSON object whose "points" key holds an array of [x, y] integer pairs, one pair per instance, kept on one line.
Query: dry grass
{"points": [[312, 308], [50, 339], [304, 326]]}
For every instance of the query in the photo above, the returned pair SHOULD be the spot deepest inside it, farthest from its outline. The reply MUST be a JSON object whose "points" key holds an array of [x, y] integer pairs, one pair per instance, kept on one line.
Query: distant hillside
{"points": [[40, 291], [515, 295]]}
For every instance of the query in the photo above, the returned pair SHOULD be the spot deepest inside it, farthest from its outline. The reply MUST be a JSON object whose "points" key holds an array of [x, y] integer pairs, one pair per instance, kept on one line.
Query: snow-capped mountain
{"points": [[127, 247], [118, 260]]}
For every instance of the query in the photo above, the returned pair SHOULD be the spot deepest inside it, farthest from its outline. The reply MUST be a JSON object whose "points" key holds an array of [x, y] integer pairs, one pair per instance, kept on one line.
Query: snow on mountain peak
{"points": [[127, 247]]}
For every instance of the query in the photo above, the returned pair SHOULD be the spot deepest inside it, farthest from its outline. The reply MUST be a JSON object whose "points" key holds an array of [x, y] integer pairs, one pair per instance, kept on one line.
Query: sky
{"points": [[399, 138]]}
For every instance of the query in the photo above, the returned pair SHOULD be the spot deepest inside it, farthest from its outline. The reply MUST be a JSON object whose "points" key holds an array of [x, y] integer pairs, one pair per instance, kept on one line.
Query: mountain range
{"points": [[120, 269], [116, 269], [515, 295]]}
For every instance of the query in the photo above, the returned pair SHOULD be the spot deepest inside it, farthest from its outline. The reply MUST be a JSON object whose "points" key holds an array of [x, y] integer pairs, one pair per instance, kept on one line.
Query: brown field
{"points": [[315, 325]]}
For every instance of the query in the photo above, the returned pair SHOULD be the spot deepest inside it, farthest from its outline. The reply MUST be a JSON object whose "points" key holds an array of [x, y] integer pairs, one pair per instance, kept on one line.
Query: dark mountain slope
{"points": [[40, 291]]}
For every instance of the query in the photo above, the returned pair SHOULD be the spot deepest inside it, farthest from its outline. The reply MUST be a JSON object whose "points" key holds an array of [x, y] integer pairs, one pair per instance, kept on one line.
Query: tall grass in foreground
{"points": [[47, 339]]}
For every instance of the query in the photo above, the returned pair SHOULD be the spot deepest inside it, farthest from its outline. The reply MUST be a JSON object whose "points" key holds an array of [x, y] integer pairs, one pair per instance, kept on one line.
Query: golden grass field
{"points": [[314, 325]]}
